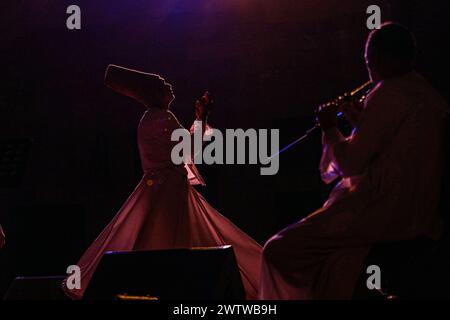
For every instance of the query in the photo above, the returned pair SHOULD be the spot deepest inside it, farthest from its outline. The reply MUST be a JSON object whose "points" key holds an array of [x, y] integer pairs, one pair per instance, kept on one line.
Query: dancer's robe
{"points": [[165, 211]]}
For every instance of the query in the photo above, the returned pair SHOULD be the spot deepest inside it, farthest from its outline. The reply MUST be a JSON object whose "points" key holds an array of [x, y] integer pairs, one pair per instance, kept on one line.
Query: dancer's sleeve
{"points": [[194, 175]]}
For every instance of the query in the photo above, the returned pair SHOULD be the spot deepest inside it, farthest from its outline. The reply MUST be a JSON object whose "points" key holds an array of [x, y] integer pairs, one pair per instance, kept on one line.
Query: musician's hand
{"points": [[352, 111], [326, 116]]}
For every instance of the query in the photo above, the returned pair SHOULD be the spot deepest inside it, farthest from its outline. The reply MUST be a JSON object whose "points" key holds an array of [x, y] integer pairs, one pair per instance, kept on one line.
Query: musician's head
{"points": [[390, 51]]}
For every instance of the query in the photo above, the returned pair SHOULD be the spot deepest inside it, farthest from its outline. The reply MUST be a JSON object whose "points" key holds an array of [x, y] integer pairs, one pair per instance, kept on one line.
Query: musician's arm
{"points": [[328, 168], [381, 117]]}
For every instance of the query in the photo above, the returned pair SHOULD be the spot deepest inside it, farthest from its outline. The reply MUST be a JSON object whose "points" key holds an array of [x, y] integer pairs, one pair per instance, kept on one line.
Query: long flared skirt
{"points": [[166, 212]]}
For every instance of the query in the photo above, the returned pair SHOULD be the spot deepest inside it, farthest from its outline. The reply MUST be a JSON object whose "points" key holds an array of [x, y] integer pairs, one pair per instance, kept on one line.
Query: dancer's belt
{"points": [[154, 167]]}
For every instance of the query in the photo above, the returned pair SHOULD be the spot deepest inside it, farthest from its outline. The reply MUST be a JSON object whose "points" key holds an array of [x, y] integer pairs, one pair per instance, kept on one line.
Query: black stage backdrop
{"points": [[268, 63]]}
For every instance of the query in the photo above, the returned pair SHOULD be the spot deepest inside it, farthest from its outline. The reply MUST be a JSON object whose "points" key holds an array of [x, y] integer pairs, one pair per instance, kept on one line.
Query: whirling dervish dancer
{"points": [[165, 211]]}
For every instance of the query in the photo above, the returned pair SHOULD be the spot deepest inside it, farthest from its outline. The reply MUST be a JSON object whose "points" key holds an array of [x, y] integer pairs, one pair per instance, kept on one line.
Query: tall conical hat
{"points": [[147, 88]]}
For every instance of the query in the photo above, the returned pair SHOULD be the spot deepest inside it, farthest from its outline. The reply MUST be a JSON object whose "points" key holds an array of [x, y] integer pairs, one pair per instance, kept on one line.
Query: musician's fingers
{"points": [[359, 105], [352, 111], [324, 108], [354, 105], [343, 106], [351, 107]]}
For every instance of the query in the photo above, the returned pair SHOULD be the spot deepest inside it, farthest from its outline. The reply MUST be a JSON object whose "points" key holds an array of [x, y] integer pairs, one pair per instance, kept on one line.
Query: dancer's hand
{"points": [[201, 108], [201, 113]]}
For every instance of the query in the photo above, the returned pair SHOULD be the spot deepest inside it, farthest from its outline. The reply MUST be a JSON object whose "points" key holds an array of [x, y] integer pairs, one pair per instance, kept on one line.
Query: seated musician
{"points": [[389, 172]]}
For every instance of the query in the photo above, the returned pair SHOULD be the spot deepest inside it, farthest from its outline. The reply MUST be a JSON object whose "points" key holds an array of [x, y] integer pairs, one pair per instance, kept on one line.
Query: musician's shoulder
{"points": [[381, 89]]}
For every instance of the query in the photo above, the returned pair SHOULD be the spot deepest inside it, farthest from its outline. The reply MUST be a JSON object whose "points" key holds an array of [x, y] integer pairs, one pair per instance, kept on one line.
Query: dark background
{"points": [[269, 64]]}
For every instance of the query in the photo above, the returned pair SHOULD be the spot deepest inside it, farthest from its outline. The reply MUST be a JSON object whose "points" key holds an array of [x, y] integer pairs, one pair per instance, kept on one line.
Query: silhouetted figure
{"points": [[165, 211], [389, 170]]}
